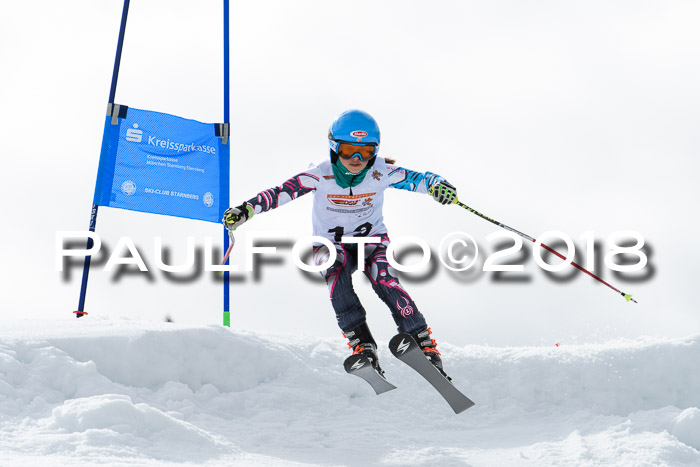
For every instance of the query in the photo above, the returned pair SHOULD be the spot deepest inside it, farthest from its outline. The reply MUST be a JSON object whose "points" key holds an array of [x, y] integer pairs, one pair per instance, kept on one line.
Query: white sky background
{"points": [[571, 116]]}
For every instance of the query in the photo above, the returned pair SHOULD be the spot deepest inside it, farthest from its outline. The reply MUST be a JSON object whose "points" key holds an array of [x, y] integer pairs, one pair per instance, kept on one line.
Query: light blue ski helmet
{"points": [[353, 126]]}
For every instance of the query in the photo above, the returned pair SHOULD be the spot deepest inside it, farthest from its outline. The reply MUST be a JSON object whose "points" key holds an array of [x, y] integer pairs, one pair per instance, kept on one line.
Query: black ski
{"points": [[405, 348], [360, 366]]}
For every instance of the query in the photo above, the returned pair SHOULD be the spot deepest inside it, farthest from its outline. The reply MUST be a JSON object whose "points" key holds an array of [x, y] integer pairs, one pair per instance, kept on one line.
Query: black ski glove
{"points": [[236, 217], [443, 193]]}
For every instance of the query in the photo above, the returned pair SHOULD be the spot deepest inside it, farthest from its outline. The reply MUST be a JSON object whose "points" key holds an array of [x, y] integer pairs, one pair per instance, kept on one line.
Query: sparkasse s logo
{"points": [[133, 134]]}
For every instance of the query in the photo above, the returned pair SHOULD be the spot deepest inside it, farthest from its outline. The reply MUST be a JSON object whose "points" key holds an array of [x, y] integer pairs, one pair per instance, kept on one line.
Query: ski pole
{"points": [[230, 247], [627, 297], [232, 241]]}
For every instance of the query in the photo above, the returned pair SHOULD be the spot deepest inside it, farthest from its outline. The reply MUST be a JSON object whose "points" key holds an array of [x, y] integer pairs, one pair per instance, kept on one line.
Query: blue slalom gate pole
{"points": [[93, 215], [227, 315]]}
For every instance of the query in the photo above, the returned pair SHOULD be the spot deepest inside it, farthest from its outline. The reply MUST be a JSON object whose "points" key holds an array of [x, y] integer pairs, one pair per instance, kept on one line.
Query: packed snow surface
{"points": [[120, 392]]}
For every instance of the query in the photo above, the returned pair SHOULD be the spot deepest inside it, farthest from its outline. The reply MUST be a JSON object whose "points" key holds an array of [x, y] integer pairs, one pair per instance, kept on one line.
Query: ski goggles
{"points": [[349, 151]]}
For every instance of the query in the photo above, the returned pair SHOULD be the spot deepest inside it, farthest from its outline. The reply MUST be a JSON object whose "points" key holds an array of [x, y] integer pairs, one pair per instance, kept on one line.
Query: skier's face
{"points": [[354, 165], [355, 157]]}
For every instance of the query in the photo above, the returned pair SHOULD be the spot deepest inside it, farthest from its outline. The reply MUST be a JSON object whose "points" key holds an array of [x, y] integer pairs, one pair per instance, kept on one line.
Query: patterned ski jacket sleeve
{"points": [[405, 179], [293, 188]]}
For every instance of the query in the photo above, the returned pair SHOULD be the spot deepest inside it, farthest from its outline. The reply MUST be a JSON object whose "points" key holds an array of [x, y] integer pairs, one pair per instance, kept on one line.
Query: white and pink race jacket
{"points": [[337, 211]]}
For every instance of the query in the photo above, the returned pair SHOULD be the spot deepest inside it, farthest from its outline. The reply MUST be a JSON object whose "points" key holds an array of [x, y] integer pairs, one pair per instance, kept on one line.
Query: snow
{"points": [[123, 392], [120, 392]]}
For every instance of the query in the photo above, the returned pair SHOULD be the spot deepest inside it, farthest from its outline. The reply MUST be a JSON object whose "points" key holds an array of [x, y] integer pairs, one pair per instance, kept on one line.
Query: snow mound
{"points": [[192, 357], [686, 427], [118, 392], [613, 379], [119, 414], [113, 419]]}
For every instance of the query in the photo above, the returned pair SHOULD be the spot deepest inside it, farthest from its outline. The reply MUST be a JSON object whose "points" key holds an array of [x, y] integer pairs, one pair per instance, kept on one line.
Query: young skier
{"points": [[349, 195]]}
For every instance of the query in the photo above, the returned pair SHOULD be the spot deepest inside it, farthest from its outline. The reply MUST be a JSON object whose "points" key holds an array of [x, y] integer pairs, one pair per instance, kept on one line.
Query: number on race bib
{"points": [[361, 231]]}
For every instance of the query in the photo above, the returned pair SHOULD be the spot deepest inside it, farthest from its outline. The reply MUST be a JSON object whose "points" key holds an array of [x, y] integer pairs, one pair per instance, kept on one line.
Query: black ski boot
{"points": [[429, 348], [362, 343]]}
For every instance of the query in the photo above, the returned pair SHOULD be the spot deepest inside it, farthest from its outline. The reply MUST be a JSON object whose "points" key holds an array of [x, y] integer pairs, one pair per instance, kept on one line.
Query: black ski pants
{"points": [[348, 310]]}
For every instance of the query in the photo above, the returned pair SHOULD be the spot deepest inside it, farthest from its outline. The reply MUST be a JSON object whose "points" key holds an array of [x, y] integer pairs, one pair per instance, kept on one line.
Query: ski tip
{"points": [[461, 409]]}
